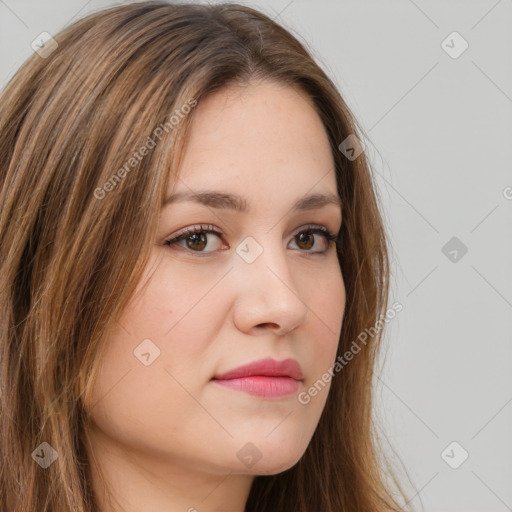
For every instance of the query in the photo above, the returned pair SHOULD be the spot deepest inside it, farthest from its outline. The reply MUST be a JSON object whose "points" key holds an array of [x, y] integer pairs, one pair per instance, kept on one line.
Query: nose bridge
{"points": [[267, 295], [263, 257], [264, 268]]}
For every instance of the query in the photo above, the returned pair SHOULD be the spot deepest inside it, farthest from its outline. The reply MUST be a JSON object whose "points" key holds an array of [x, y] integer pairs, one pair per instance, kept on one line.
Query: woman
{"points": [[191, 248]]}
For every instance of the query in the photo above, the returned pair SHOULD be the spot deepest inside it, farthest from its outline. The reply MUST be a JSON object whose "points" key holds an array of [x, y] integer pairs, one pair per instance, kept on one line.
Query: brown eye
{"points": [[307, 239], [195, 239], [198, 241]]}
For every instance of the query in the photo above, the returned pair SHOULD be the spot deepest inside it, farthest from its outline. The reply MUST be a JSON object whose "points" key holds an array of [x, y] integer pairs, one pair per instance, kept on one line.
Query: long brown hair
{"points": [[76, 232]]}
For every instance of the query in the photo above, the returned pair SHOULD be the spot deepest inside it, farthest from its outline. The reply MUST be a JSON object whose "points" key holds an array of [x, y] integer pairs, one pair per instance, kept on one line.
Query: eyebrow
{"points": [[221, 200]]}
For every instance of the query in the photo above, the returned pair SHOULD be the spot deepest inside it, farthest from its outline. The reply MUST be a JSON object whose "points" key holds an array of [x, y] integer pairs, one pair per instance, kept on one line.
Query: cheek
{"points": [[168, 297], [159, 344], [131, 399], [326, 313], [326, 305], [328, 300]]}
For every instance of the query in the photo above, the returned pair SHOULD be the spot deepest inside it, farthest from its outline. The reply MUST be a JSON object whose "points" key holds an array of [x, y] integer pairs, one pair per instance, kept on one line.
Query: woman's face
{"points": [[261, 288]]}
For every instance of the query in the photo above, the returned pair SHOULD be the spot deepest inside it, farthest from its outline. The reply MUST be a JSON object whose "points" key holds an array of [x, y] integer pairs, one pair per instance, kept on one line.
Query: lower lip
{"points": [[269, 387]]}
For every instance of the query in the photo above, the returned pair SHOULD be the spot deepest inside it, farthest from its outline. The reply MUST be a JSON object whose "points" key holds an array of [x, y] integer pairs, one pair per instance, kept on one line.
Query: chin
{"points": [[273, 469], [273, 465]]}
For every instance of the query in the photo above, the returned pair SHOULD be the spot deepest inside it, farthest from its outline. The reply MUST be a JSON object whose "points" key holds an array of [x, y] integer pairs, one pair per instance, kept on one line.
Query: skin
{"points": [[164, 435]]}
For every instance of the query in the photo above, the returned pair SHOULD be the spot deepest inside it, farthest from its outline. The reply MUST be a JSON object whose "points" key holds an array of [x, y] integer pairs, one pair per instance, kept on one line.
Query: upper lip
{"points": [[266, 368]]}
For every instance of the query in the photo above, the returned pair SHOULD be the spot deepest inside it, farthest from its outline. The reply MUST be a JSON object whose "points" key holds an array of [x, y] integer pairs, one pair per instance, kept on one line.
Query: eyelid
{"points": [[191, 229], [211, 228], [312, 227]]}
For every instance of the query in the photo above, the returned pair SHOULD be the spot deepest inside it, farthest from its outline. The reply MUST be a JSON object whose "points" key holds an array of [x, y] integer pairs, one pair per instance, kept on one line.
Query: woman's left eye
{"points": [[306, 237], [196, 239]]}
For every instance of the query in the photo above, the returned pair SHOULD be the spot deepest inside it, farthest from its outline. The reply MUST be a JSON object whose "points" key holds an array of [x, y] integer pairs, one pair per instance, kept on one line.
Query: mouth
{"points": [[266, 378]]}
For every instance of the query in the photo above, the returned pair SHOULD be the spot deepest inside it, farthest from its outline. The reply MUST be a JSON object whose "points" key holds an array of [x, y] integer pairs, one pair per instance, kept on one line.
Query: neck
{"points": [[127, 480]]}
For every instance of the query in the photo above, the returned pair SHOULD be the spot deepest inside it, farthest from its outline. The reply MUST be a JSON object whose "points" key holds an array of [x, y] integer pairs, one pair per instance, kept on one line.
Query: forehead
{"points": [[256, 141]]}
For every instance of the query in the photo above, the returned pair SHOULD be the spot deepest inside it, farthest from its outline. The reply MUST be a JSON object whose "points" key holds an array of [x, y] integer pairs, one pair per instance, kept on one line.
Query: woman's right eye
{"points": [[195, 239]]}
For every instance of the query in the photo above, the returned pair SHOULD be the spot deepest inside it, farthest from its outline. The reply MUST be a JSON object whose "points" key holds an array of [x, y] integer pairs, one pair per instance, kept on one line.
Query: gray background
{"points": [[440, 131]]}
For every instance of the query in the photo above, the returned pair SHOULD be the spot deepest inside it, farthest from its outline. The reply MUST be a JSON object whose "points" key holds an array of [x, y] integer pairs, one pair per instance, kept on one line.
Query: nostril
{"points": [[267, 324]]}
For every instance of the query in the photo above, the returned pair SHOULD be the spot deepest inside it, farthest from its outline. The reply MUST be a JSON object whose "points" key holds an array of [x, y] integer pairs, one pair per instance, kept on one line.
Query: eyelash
{"points": [[312, 229]]}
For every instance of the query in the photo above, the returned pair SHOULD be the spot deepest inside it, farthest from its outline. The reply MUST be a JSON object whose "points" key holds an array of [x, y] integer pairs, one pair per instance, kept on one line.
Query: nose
{"points": [[269, 297]]}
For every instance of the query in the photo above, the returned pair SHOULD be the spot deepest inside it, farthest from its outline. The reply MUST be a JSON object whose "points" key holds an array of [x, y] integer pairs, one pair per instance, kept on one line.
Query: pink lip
{"points": [[267, 378]]}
